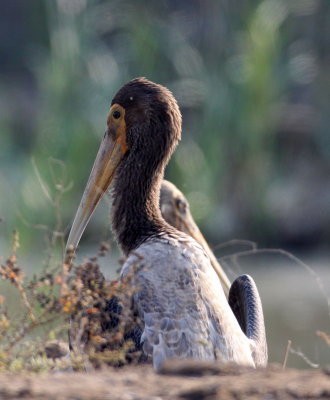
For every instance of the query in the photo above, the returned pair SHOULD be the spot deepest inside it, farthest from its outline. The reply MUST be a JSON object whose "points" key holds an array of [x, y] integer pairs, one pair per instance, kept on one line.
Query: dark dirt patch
{"points": [[179, 380]]}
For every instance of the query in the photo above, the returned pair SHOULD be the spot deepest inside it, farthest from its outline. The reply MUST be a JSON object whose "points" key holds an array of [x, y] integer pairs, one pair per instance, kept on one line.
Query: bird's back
{"points": [[181, 303]]}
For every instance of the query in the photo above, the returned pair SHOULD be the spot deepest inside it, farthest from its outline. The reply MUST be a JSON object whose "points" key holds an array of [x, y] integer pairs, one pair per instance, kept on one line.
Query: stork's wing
{"points": [[245, 302], [180, 301]]}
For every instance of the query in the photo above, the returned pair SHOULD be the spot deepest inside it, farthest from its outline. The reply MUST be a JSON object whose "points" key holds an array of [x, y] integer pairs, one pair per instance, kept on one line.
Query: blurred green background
{"points": [[252, 79]]}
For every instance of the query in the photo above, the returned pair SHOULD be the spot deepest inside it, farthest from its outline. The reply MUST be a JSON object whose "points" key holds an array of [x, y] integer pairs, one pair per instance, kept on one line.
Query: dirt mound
{"points": [[178, 380]]}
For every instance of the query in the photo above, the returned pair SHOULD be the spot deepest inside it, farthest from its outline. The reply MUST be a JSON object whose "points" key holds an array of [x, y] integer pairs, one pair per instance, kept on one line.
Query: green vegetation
{"points": [[250, 78]]}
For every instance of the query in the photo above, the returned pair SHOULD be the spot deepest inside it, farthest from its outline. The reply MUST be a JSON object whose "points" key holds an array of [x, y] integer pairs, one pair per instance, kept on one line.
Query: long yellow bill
{"points": [[111, 152], [192, 229]]}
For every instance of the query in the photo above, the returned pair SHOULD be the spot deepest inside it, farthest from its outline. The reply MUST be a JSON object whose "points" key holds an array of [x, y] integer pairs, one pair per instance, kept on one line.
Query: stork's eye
{"points": [[181, 205], [116, 114]]}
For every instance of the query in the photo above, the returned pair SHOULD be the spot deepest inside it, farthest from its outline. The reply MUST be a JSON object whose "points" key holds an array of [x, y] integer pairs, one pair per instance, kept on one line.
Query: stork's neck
{"points": [[135, 209]]}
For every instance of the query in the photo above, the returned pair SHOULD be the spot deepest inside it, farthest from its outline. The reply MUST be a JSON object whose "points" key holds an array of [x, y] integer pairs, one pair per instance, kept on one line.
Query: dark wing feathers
{"points": [[245, 302]]}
